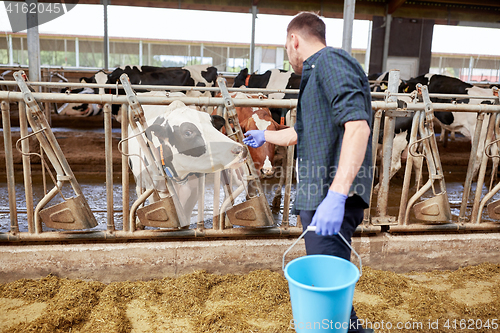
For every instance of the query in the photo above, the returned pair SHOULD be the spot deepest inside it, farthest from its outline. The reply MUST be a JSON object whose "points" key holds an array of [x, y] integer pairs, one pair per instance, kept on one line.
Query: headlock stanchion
{"points": [[162, 212], [72, 213], [255, 212], [437, 208]]}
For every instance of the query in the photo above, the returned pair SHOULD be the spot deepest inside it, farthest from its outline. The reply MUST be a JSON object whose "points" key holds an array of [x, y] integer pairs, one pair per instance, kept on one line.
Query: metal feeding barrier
{"points": [[73, 213], [166, 221], [437, 208], [162, 212], [254, 212]]}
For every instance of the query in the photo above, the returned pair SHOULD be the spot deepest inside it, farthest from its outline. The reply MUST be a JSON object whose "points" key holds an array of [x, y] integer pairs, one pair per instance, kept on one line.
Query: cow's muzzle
{"points": [[266, 172], [241, 151]]}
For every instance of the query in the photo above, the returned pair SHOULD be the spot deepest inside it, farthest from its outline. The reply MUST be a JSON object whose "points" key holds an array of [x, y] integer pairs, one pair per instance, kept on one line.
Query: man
{"points": [[332, 135]]}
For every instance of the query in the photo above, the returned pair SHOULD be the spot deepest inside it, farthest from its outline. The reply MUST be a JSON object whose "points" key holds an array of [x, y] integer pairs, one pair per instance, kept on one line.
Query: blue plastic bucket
{"points": [[321, 291]]}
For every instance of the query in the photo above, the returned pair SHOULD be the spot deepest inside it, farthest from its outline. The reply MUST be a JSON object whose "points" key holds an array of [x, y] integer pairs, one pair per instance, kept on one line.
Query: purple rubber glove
{"points": [[254, 138], [329, 214]]}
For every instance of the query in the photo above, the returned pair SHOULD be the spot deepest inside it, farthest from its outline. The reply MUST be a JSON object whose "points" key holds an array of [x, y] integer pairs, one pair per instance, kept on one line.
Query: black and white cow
{"points": [[84, 109], [188, 143], [403, 125], [271, 79], [463, 122], [195, 75]]}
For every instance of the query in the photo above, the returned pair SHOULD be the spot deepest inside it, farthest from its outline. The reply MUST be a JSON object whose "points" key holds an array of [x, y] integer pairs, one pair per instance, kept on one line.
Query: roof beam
{"points": [[394, 5], [482, 3]]}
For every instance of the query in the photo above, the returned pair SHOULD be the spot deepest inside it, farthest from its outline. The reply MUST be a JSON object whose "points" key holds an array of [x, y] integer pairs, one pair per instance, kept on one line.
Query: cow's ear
{"points": [[210, 74], [160, 129], [218, 122]]}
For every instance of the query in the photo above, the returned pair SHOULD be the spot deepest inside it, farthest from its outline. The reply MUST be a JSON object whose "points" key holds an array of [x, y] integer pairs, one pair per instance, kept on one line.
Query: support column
{"points": [[106, 37], [140, 53], [387, 38], [33, 43], [471, 67], [368, 48], [349, 9], [11, 52], [280, 57], [77, 52], [252, 42]]}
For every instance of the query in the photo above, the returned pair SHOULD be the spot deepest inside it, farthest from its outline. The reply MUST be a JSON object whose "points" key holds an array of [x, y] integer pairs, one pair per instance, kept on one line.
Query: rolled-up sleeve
{"points": [[346, 92]]}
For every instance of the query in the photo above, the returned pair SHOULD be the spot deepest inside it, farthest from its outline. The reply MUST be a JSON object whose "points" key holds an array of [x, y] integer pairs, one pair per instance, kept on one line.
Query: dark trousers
{"points": [[334, 245]]}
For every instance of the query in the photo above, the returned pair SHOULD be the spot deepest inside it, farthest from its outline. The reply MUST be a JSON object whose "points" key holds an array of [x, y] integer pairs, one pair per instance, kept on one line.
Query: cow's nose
{"points": [[267, 171], [240, 150]]}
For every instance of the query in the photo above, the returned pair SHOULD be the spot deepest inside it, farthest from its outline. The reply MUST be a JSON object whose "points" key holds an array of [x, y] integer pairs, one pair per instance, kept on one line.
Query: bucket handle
{"points": [[313, 228]]}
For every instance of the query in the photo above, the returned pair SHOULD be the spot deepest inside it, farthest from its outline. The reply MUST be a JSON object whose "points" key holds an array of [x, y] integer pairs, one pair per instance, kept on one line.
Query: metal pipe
{"points": [[108, 151], [234, 233], [9, 165], [216, 201], [476, 212], [375, 134], [11, 51], [229, 201], [368, 47], [76, 85], [147, 100], [389, 127], [215, 101], [442, 96], [252, 41], [106, 37], [33, 42], [387, 38], [125, 174], [418, 228], [289, 175], [470, 168], [409, 166], [28, 182], [201, 202], [349, 9], [136, 205], [45, 200]]}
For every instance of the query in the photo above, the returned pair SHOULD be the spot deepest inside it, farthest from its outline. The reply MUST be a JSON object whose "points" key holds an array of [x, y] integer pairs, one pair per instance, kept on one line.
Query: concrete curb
{"points": [[147, 260]]}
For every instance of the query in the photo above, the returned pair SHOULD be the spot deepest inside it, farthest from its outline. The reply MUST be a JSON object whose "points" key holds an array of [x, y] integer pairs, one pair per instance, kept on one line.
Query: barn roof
{"points": [[443, 11]]}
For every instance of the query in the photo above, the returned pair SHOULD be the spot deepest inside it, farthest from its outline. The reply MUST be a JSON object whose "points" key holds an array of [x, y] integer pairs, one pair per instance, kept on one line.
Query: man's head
{"points": [[306, 34]]}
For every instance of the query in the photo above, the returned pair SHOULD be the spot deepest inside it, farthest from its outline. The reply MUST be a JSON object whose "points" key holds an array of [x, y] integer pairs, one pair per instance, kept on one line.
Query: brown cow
{"points": [[258, 118]]}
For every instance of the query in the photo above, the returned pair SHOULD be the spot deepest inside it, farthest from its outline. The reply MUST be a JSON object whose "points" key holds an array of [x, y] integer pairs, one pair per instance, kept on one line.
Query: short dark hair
{"points": [[308, 24]]}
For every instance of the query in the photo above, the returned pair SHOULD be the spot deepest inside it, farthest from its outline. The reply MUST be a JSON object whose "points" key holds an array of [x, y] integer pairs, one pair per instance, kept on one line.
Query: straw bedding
{"points": [[254, 302]]}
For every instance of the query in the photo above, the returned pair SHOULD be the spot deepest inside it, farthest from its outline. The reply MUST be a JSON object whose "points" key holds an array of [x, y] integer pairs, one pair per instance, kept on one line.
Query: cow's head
{"points": [[240, 79], [79, 109], [84, 109], [263, 156], [189, 143]]}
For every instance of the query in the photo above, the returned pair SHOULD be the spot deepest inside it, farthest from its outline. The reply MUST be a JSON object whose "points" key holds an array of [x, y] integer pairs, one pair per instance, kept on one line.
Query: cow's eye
{"points": [[188, 133]]}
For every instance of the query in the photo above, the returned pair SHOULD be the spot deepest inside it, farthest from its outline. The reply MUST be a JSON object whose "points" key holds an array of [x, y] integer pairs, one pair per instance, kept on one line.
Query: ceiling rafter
{"points": [[394, 5]]}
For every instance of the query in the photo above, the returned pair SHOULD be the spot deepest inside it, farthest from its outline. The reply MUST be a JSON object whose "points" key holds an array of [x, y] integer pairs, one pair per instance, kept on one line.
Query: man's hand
{"points": [[329, 214], [254, 138]]}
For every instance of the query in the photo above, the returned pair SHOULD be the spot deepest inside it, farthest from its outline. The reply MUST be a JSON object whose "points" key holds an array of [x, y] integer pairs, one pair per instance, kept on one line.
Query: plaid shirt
{"points": [[333, 90]]}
